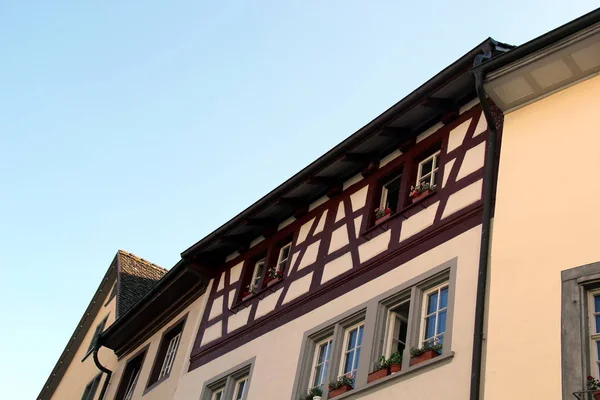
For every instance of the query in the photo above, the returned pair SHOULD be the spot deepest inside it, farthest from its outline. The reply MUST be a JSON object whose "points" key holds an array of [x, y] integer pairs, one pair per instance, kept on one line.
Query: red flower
{"points": [[388, 210]]}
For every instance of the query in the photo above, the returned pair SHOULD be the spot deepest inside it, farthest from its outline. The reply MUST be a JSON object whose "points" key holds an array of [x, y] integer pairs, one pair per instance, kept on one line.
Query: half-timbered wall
{"points": [[336, 246]]}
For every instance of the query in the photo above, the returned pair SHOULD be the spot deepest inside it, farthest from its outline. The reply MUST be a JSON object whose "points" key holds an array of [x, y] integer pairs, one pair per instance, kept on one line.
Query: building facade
{"points": [[404, 242]]}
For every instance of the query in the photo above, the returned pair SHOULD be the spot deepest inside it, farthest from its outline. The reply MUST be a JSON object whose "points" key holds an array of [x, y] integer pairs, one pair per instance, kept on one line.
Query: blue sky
{"points": [[145, 125]]}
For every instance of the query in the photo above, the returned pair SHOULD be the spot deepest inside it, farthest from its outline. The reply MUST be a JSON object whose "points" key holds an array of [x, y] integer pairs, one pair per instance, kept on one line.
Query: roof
{"points": [[436, 99], [136, 277]]}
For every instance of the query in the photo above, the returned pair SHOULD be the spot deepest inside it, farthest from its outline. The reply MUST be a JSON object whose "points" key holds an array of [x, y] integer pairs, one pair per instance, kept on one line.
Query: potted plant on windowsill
{"points": [[381, 370], [382, 215], [343, 384], [313, 394], [422, 190], [395, 362], [249, 292], [429, 350], [273, 277], [594, 384]]}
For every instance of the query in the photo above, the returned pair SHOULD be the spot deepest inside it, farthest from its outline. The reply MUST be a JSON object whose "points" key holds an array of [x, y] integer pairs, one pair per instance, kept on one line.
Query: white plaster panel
{"points": [[336, 267], [231, 297], [390, 157], [304, 229], [474, 159], [481, 125], [359, 198], [268, 304], [357, 223], [447, 170], [298, 288], [238, 319], [462, 198], [419, 221], [317, 203], [310, 255], [285, 223], [457, 135], [235, 272], [355, 179], [375, 246], [339, 238], [340, 212], [221, 282], [217, 308], [212, 333], [293, 262], [321, 223]]}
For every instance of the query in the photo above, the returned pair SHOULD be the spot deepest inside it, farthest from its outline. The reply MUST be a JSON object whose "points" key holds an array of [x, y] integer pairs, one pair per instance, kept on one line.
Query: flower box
{"points": [[380, 373], [338, 391], [596, 395], [422, 195], [382, 219], [395, 368], [271, 282], [246, 296], [428, 355]]}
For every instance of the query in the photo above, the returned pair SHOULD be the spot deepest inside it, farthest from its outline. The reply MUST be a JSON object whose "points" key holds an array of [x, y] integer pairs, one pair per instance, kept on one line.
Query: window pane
{"points": [[356, 358], [432, 307], [360, 335], [597, 323], [437, 160], [240, 390], [322, 353], [425, 179], [434, 180], [348, 362], [441, 328], [429, 327], [318, 373], [352, 339], [597, 303], [443, 298], [426, 167], [598, 348]]}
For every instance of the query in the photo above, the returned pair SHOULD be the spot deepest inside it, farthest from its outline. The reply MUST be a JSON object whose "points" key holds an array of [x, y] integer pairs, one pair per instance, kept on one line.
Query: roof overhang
{"points": [[545, 65], [439, 99], [183, 284]]}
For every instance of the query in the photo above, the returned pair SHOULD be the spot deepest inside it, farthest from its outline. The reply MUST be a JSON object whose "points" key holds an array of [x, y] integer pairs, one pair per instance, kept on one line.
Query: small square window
{"points": [[428, 170]]}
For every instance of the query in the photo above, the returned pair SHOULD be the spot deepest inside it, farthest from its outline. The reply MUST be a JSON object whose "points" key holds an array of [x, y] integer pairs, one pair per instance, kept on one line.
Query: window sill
{"points": [[410, 371], [261, 294]]}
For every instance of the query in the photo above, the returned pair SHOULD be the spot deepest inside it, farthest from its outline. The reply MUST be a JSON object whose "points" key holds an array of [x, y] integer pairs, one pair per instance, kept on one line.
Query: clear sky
{"points": [[145, 125]]}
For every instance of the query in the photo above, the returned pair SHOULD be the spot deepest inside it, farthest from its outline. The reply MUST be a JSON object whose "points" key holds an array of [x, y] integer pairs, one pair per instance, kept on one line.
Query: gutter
{"points": [[102, 368]]}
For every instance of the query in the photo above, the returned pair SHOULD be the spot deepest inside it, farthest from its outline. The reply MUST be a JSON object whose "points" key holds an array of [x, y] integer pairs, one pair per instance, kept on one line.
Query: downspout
{"points": [[102, 368], [484, 251]]}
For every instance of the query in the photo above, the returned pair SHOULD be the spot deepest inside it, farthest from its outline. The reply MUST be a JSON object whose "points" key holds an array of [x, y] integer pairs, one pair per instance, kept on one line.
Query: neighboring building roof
{"points": [[136, 277]]}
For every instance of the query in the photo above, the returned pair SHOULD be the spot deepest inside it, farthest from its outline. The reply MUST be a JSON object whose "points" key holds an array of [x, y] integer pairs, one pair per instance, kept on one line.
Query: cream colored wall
{"points": [[546, 221], [277, 352], [166, 389], [79, 373]]}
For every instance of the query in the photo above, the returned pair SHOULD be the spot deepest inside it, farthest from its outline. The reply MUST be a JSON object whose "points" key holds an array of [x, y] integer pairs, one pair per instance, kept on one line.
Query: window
{"points": [[165, 357], [428, 169], [594, 329], [130, 377], [434, 314], [390, 194], [230, 385], [321, 361], [259, 266], [397, 328], [282, 259], [97, 332], [352, 346], [90, 389]]}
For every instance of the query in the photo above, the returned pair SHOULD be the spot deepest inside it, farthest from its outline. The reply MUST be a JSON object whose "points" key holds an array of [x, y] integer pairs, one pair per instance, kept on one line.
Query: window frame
{"points": [[425, 315], [593, 336], [287, 245], [227, 382], [328, 340], [345, 351], [156, 377], [434, 168], [122, 388]]}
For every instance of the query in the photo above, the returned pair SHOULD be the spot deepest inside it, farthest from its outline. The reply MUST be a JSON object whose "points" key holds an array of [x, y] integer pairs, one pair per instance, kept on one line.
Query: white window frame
{"points": [[170, 356], [434, 168], [425, 315], [219, 391], [314, 365], [345, 350], [280, 259], [384, 192], [237, 395], [257, 274], [593, 335], [391, 327]]}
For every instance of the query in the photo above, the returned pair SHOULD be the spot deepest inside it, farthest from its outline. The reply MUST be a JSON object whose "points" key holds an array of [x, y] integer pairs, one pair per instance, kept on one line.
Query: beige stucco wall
{"points": [[79, 373], [277, 352], [166, 389], [546, 221]]}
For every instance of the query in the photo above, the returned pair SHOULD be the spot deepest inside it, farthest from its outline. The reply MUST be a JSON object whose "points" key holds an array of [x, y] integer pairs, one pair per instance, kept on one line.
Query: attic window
{"points": [[97, 332]]}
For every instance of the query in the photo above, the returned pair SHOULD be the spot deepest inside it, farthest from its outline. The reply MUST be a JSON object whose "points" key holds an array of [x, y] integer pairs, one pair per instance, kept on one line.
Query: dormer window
{"points": [[428, 169]]}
